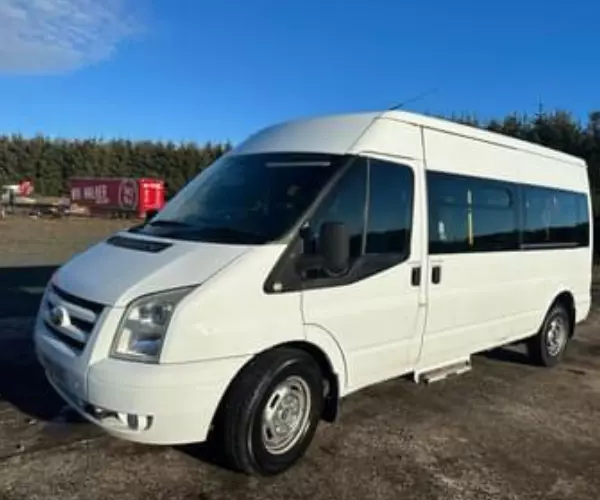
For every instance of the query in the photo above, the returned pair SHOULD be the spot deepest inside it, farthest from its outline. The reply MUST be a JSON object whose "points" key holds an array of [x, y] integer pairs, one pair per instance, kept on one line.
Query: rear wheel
{"points": [[272, 411], [547, 348]]}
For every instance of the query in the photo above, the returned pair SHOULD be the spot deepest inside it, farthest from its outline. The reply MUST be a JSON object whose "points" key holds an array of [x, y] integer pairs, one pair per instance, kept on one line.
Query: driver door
{"points": [[376, 310]]}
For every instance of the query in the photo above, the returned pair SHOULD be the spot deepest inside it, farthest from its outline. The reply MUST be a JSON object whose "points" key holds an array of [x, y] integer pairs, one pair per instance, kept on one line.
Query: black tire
{"points": [[241, 432], [538, 346]]}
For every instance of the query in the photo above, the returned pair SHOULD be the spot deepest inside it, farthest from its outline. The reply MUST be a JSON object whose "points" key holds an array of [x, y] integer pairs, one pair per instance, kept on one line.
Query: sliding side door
{"points": [[473, 294]]}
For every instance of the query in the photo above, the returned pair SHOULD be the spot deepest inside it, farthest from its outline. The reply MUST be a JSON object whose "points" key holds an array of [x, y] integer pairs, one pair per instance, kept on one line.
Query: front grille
{"points": [[80, 318], [86, 304]]}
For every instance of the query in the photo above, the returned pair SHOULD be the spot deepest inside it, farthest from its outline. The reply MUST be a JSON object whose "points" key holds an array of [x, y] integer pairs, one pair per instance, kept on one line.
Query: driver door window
{"points": [[374, 200], [346, 204]]}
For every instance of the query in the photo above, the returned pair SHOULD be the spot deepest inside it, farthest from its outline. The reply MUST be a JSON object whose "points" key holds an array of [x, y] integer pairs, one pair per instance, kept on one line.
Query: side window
{"points": [[495, 217], [553, 217], [345, 203], [448, 214], [374, 200], [583, 220], [471, 215], [390, 210]]}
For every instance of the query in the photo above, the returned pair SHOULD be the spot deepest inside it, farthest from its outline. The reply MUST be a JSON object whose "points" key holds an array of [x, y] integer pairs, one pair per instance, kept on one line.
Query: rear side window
{"points": [[469, 214], [552, 217]]}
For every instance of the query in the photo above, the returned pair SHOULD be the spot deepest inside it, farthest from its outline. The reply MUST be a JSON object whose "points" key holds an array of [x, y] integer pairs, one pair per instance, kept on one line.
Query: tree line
{"points": [[50, 163]]}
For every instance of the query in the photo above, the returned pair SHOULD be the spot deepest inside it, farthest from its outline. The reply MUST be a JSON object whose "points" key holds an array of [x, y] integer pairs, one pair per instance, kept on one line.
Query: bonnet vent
{"points": [[138, 244]]}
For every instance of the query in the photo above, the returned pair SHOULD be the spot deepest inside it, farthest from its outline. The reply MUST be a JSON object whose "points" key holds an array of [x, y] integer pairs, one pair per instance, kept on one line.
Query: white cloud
{"points": [[49, 36]]}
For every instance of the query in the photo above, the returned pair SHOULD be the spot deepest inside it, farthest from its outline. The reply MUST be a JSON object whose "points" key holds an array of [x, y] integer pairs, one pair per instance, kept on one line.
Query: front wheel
{"points": [[549, 345], [272, 411]]}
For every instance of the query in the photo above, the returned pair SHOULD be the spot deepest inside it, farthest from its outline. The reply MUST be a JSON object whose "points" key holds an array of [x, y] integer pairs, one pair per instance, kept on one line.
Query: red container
{"points": [[118, 194], [25, 188]]}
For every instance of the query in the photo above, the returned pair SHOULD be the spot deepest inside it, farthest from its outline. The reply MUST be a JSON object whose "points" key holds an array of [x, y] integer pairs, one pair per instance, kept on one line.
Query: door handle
{"points": [[415, 276], [436, 275]]}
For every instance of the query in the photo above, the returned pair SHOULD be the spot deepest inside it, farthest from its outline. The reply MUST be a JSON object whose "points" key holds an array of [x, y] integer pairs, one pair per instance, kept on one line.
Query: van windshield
{"points": [[245, 199]]}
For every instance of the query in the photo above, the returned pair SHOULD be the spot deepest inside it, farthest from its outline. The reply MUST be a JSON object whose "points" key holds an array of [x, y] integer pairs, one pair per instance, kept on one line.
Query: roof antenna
{"points": [[418, 97]]}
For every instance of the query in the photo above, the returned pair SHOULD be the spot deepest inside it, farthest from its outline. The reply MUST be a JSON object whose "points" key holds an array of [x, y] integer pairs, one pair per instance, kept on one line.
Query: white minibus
{"points": [[319, 257]]}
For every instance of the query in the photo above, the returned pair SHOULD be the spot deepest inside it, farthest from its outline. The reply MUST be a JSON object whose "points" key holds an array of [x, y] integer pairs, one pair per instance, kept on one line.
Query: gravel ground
{"points": [[506, 430]]}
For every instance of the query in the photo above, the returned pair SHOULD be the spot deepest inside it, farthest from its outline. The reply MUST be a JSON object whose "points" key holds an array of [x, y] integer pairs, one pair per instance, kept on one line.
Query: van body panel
{"points": [[326, 342], [159, 390], [160, 396], [485, 136], [464, 155], [113, 275], [209, 324], [547, 274], [375, 321], [474, 305]]}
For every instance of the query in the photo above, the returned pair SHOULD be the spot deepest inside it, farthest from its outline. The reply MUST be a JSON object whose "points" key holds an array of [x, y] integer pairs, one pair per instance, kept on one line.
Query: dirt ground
{"points": [[506, 430]]}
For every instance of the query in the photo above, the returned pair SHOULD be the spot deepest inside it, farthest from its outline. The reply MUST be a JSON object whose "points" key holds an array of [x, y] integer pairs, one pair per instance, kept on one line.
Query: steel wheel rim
{"points": [[556, 336], [286, 415]]}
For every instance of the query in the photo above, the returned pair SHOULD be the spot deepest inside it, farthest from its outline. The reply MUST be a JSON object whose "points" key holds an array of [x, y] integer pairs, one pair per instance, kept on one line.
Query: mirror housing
{"points": [[334, 247]]}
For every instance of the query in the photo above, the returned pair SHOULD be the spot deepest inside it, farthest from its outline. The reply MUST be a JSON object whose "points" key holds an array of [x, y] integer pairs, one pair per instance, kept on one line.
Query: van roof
{"points": [[480, 134], [338, 131]]}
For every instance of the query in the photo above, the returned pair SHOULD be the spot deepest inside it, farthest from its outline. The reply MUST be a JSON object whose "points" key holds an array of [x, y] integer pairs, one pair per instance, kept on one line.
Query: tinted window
{"points": [[246, 198], [390, 208], [553, 217], [374, 201], [345, 203], [448, 214], [470, 214], [495, 216], [583, 220]]}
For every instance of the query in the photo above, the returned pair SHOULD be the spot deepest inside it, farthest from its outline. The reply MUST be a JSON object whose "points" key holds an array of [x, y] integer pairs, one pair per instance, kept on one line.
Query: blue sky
{"points": [[219, 69]]}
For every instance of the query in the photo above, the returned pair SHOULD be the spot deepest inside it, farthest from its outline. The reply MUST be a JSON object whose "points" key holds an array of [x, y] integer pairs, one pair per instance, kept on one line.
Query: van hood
{"points": [[124, 267]]}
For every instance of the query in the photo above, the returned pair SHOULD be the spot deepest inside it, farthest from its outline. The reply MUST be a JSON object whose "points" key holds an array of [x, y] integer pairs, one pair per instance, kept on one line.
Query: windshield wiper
{"points": [[225, 234], [175, 228], [232, 230], [169, 223]]}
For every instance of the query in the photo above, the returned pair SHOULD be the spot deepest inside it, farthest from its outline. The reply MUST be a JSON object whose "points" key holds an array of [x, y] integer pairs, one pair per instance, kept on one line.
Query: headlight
{"points": [[144, 325]]}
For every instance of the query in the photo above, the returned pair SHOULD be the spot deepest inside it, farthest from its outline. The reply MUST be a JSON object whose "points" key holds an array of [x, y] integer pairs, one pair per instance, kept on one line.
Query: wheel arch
{"points": [[566, 299], [332, 379]]}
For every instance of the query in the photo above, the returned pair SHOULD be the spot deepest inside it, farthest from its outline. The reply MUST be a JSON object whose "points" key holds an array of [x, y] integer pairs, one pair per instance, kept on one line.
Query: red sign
{"points": [[118, 194]]}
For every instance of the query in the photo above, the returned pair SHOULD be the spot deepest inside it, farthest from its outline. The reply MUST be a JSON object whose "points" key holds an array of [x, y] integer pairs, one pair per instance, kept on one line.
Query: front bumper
{"points": [[145, 403]]}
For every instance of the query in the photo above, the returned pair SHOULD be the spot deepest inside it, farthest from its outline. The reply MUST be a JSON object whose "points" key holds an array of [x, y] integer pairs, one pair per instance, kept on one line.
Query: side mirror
{"points": [[150, 214], [334, 247]]}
